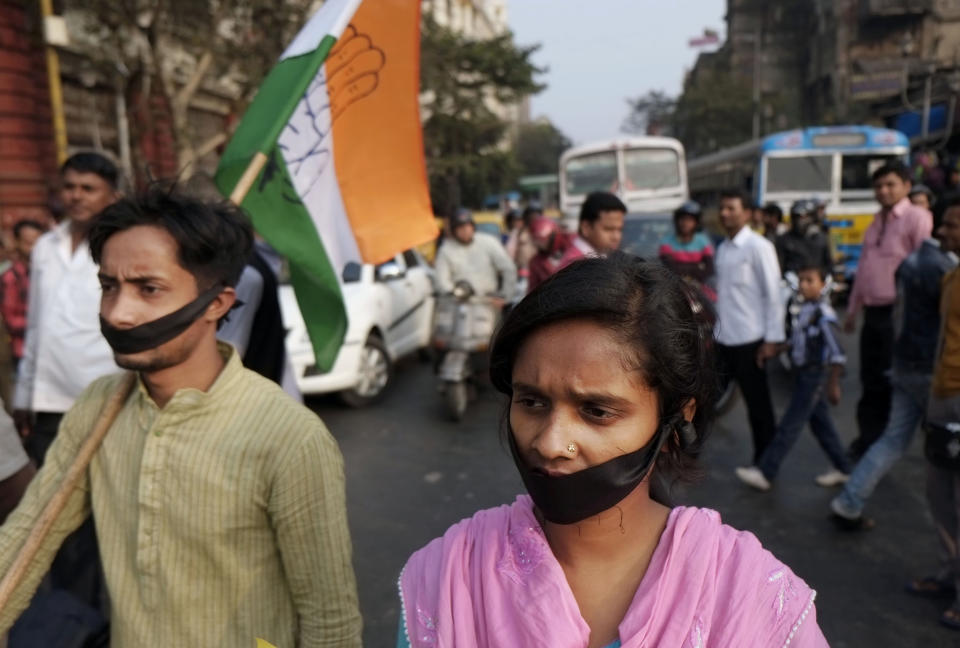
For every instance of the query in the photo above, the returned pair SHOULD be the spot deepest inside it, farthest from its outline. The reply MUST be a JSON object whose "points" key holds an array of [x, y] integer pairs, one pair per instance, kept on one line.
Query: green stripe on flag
{"points": [[285, 223], [274, 206]]}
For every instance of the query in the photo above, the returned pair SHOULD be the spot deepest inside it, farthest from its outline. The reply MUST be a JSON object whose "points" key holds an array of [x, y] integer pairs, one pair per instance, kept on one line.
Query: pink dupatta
{"points": [[492, 581]]}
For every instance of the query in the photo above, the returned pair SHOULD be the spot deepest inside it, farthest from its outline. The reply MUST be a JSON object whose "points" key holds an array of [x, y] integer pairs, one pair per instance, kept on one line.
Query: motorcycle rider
{"points": [[688, 251], [804, 242], [477, 258], [550, 243]]}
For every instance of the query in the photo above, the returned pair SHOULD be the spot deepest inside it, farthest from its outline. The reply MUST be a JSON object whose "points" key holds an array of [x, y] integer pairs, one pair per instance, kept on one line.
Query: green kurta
{"points": [[220, 517]]}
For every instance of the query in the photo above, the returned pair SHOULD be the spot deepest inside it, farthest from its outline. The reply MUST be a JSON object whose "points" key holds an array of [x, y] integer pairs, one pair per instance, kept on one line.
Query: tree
{"points": [[165, 50], [650, 114], [462, 81], [538, 146], [714, 111]]}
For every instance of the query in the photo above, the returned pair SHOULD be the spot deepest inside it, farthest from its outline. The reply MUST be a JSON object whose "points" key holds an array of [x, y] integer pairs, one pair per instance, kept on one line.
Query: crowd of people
{"points": [[214, 512], [904, 285], [903, 261]]}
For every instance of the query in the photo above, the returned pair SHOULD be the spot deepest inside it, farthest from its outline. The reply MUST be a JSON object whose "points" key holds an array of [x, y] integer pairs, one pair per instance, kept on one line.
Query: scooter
{"points": [[463, 325]]}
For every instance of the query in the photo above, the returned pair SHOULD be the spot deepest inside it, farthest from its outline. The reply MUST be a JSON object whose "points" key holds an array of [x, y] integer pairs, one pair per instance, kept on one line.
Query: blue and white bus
{"points": [[831, 163]]}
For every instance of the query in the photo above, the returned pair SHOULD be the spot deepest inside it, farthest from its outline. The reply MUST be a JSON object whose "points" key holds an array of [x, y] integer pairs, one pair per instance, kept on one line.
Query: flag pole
{"points": [[248, 178], [58, 502]]}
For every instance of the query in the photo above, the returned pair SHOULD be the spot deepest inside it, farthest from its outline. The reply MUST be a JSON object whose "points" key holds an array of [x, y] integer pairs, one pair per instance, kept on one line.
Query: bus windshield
{"points": [[799, 174], [857, 170], [651, 168], [591, 172]]}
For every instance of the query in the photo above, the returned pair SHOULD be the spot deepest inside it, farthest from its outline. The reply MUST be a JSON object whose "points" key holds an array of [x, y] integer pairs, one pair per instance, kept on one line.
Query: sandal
{"points": [[951, 618], [933, 587]]}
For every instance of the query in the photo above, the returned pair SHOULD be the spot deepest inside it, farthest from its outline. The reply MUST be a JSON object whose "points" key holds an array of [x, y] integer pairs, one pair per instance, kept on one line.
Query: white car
{"points": [[390, 314]]}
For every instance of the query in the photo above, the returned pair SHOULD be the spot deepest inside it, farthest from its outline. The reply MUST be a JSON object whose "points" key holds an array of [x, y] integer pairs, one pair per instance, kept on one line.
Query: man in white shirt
{"points": [[750, 315], [475, 257], [64, 350]]}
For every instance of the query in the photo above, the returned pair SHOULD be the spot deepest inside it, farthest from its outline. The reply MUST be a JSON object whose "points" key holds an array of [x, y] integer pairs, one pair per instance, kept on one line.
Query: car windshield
{"points": [[642, 234], [799, 174], [591, 172], [651, 168]]}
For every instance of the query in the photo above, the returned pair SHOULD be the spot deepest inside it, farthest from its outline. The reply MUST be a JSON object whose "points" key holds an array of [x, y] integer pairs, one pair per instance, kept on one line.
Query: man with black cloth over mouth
{"points": [[218, 501]]}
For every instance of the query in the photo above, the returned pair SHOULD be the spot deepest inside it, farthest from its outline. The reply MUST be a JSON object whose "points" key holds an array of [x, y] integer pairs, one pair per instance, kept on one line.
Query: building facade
{"points": [[877, 62]]}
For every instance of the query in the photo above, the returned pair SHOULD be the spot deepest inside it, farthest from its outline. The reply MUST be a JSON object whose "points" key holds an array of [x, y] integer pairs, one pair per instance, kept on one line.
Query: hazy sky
{"points": [[599, 52]]}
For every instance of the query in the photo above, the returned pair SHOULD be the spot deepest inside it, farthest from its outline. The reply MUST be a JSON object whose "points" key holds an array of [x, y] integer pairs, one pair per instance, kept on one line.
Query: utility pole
{"points": [[927, 89], [53, 79], [756, 82]]}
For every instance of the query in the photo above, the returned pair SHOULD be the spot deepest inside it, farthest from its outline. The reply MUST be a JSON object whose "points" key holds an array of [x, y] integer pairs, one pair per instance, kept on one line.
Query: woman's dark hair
{"points": [[214, 239], [90, 162], [666, 327]]}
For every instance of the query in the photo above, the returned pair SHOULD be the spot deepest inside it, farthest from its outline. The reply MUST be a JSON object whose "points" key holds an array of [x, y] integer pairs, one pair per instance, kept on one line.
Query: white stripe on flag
{"points": [[331, 19], [307, 146]]}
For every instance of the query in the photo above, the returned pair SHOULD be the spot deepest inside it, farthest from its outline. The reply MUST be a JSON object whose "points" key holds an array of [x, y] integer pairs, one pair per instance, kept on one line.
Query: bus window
{"points": [[857, 170], [651, 168], [799, 174], [591, 172]]}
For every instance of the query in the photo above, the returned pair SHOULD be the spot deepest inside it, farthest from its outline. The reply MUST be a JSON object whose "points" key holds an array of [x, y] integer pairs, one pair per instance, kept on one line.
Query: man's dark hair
{"points": [[21, 225], [214, 239], [597, 202], [895, 167], [736, 194], [773, 209], [90, 162]]}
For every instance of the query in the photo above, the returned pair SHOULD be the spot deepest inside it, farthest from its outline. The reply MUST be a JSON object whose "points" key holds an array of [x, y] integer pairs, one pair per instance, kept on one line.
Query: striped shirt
{"points": [[221, 517], [693, 258], [813, 339]]}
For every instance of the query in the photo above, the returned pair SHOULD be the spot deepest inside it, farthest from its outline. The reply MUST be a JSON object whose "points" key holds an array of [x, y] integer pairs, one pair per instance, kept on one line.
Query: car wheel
{"points": [[376, 370]]}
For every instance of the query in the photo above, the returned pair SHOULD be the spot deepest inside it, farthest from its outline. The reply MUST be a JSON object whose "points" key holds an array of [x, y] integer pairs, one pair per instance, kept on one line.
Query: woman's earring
{"points": [[687, 433]]}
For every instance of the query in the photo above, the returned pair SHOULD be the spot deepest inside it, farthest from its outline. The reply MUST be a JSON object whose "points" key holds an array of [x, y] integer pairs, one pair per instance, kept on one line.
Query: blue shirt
{"points": [[917, 317]]}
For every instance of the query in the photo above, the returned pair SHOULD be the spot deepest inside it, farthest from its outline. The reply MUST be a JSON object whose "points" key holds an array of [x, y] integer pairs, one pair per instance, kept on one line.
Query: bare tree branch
{"points": [[186, 93]]}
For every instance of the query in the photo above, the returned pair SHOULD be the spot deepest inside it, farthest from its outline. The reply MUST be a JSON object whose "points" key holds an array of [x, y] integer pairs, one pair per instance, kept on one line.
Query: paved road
{"points": [[410, 474]]}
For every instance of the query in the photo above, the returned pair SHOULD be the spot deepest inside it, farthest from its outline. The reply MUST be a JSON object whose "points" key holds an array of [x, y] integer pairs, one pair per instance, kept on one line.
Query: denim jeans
{"points": [[910, 391], [807, 403]]}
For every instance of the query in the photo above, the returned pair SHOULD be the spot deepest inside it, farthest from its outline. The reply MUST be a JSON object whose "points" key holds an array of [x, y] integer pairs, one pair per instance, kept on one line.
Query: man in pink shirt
{"points": [[897, 230], [599, 230]]}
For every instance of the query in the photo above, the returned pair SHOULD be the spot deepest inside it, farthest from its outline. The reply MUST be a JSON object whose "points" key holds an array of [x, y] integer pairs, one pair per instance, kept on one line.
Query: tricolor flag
{"points": [[337, 121]]}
